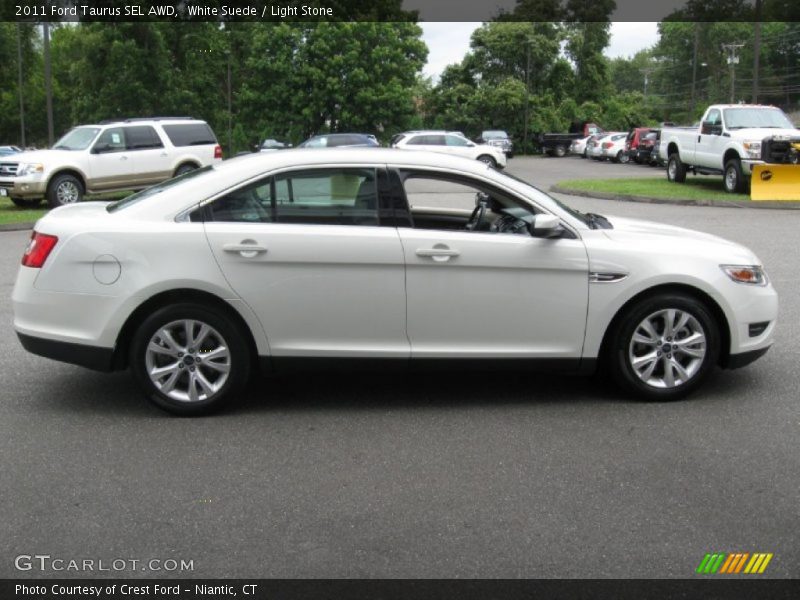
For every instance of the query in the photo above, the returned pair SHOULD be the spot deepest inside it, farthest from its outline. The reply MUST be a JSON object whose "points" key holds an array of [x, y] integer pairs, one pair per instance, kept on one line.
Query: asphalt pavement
{"points": [[429, 475]]}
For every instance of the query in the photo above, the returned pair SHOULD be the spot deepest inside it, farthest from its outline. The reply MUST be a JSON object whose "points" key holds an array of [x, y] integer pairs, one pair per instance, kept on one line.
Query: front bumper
{"points": [[24, 187], [737, 361]]}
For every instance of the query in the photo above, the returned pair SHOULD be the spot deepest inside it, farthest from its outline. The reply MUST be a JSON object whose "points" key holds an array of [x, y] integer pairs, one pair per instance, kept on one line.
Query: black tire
{"points": [[621, 348], [560, 151], [225, 332], [186, 167], [487, 160], [732, 178], [676, 170], [63, 190], [26, 202]]}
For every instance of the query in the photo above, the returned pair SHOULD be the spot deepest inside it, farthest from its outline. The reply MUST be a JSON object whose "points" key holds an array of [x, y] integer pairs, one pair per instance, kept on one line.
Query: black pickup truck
{"points": [[557, 144]]}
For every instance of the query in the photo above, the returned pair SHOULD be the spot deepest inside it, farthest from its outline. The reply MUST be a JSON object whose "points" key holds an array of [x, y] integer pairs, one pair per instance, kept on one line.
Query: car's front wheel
{"points": [[190, 359], [664, 347], [64, 189], [487, 160]]}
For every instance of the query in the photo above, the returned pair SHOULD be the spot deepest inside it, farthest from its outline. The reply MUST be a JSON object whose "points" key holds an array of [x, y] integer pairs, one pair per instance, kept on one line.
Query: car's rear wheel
{"points": [[64, 189], [487, 160], [676, 170], [186, 167], [26, 202], [664, 347], [560, 151], [190, 359]]}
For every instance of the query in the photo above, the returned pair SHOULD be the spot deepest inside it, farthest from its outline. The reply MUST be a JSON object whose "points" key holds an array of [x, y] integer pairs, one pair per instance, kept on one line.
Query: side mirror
{"points": [[546, 226], [101, 148]]}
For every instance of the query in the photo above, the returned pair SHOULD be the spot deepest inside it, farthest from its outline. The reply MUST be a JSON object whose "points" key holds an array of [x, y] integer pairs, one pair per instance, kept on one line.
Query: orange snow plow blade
{"points": [[775, 182]]}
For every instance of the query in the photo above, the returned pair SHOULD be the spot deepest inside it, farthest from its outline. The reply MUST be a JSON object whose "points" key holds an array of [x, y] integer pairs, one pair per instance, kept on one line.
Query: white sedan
{"points": [[453, 143], [393, 257], [613, 147]]}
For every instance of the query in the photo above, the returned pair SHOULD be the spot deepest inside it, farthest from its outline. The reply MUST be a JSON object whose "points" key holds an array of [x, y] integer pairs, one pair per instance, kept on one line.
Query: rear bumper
{"points": [[91, 357]]}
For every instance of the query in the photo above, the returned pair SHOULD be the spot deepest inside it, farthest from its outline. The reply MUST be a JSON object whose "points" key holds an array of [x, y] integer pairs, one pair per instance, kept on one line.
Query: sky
{"points": [[448, 42]]}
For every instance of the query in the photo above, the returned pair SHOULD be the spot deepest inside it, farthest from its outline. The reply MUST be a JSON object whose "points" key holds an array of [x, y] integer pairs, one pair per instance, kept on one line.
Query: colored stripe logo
{"points": [[720, 563]]}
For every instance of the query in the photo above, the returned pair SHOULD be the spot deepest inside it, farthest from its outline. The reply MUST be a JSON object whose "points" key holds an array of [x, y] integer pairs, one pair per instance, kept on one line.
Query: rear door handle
{"points": [[246, 249], [439, 253]]}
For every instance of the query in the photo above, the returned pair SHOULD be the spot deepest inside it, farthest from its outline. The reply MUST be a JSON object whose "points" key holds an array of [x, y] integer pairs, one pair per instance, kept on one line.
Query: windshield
{"points": [[494, 135], [156, 189], [77, 139], [745, 118]]}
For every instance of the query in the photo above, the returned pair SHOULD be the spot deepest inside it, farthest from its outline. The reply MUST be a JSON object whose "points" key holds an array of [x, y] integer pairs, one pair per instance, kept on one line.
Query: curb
{"points": [[16, 226], [773, 205]]}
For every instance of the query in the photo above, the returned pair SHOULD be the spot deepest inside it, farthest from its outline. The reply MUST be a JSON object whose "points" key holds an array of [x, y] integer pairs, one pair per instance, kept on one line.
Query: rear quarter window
{"points": [[190, 134]]}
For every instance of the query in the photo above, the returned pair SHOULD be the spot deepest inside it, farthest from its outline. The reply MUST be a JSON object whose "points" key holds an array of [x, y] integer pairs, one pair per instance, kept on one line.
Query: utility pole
{"points": [[694, 65], [48, 82], [19, 87], [646, 72], [733, 60], [756, 50]]}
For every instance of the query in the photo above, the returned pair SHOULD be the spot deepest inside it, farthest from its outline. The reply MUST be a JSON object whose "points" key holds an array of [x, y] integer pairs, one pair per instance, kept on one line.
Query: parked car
{"points": [[594, 149], [644, 150], [613, 147], [451, 143], [557, 144], [732, 140], [110, 156], [634, 139], [271, 145], [291, 259], [578, 146], [339, 140], [8, 150], [498, 138]]}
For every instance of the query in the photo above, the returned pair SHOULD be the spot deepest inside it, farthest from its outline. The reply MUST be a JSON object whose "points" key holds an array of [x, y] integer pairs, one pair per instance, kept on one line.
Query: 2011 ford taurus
{"points": [[390, 256]]}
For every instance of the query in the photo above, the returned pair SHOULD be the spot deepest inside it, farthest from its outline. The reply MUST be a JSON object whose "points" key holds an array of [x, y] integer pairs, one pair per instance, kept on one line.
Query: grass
{"points": [[695, 188], [10, 213]]}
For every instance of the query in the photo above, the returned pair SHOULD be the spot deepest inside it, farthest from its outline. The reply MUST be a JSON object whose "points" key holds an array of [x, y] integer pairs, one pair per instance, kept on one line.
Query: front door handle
{"points": [[439, 253], [247, 248]]}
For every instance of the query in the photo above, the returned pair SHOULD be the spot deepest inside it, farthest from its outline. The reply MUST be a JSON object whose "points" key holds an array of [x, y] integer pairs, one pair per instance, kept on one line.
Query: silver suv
{"points": [[110, 156]]}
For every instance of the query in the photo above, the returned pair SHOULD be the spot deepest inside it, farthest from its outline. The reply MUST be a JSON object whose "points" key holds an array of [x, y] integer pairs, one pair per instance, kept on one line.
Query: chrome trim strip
{"points": [[599, 277]]}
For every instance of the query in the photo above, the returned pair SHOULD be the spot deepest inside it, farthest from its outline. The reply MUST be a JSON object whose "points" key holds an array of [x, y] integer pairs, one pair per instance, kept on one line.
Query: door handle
{"points": [[439, 253], [123, 157], [246, 249]]}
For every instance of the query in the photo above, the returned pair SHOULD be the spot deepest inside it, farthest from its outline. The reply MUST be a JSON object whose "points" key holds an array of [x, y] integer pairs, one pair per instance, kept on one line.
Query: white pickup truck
{"points": [[730, 140]]}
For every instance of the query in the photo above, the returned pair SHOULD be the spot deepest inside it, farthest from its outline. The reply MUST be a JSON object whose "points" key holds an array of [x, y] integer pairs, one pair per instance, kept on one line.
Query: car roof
{"points": [[232, 172]]}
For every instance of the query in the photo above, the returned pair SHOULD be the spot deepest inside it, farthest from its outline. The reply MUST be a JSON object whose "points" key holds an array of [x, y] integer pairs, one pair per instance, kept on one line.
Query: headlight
{"points": [[749, 274], [30, 169], [753, 149]]}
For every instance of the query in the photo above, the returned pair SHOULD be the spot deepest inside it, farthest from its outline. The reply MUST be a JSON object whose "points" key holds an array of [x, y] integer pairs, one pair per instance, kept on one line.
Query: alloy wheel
{"points": [[667, 348]]}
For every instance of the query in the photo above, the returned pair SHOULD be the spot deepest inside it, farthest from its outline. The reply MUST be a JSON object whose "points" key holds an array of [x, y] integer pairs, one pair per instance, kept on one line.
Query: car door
{"points": [[151, 159], [477, 294], [112, 164], [710, 142], [305, 250]]}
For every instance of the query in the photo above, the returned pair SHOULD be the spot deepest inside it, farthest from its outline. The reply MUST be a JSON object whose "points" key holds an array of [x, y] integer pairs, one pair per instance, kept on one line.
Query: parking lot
{"points": [[427, 475]]}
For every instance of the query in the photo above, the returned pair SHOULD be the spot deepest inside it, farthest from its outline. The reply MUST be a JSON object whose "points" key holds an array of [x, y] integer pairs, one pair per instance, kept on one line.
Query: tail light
{"points": [[217, 151], [607, 145], [38, 250]]}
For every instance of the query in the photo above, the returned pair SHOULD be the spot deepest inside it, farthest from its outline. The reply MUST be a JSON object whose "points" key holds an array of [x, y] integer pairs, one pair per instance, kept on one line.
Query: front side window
{"points": [[111, 140], [454, 140], [339, 196]]}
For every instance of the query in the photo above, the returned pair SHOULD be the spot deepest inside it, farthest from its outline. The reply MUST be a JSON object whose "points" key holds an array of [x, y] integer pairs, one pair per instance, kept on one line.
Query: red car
{"points": [[635, 138]]}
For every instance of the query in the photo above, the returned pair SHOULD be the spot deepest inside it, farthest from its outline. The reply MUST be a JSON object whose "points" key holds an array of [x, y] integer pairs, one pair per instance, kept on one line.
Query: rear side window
{"points": [[142, 137], [190, 134], [341, 196]]}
